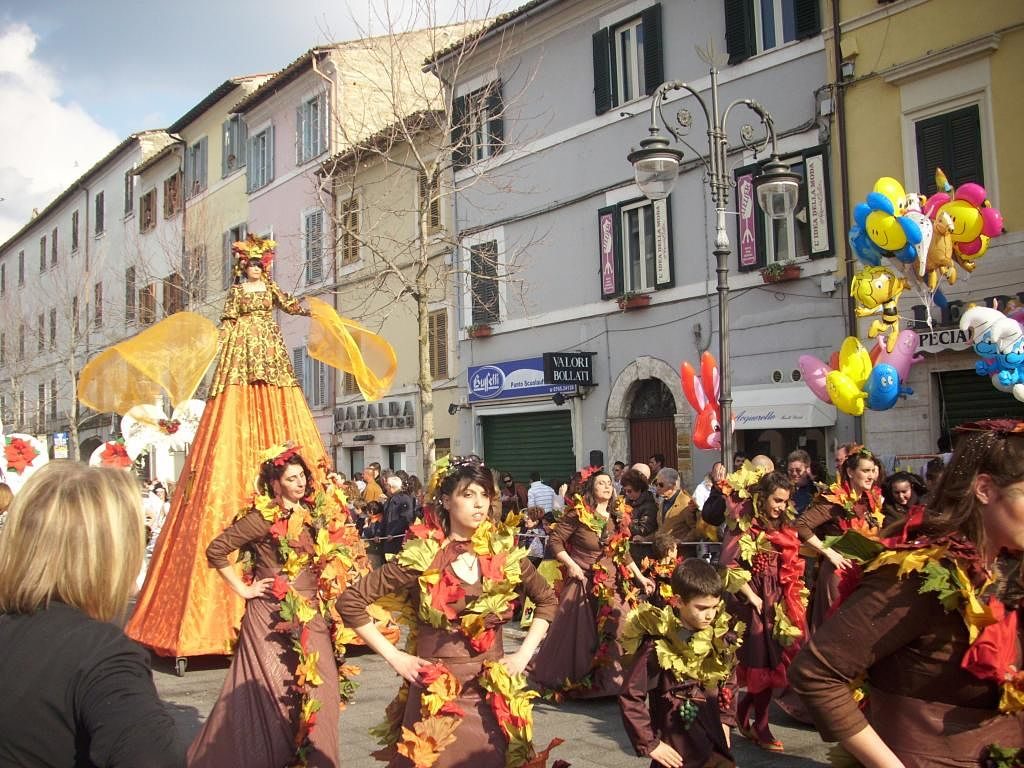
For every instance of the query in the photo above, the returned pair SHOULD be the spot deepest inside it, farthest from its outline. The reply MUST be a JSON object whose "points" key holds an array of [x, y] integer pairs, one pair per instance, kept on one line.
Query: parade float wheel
{"points": [[180, 665]]}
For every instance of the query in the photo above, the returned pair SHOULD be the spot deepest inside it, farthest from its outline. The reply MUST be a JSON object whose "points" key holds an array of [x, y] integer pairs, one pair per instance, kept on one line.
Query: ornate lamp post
{"points": [[656, 164]]}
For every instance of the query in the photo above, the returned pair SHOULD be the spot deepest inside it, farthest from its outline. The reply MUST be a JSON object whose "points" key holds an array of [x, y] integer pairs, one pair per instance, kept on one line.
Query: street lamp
{"points": [[656, 164]]}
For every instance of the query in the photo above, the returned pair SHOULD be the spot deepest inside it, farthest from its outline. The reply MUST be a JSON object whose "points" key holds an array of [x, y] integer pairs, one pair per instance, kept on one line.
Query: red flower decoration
{"points": [[19, 454], [169, 426], [114, 455], [992, 655], [493, 566], [280, 587], [483, 641], [446, 592], [280, 528]]}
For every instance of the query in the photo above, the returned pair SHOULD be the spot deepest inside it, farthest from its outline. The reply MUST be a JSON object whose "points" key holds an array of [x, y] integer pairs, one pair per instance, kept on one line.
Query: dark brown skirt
{"points": [[255, 718]]}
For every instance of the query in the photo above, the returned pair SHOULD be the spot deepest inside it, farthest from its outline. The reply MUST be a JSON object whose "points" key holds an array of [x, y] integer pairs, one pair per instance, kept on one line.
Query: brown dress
{"points": [[823, 519], [576, 660], [924, 706], [479, 741], [650, 702], [255, 719]]}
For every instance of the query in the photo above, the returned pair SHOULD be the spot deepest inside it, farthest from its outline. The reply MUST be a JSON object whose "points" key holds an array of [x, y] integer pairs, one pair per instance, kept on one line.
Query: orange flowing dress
{"points": [[185, 608]]}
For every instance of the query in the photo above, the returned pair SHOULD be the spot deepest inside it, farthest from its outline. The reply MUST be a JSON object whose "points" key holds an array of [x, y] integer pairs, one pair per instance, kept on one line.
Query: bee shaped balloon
{"points": [[878, 289]]}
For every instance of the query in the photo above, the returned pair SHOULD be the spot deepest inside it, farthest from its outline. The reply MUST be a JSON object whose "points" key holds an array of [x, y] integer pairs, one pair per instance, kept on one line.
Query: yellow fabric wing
{"points": [[171, 356], [346, 345]]}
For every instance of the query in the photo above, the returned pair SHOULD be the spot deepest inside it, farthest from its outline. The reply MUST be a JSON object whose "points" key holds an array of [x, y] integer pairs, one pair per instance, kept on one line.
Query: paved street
{"points": [[592, 730]]}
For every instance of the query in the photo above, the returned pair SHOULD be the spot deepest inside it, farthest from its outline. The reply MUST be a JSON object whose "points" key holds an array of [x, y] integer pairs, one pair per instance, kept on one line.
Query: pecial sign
{"points": [[569, 368]]}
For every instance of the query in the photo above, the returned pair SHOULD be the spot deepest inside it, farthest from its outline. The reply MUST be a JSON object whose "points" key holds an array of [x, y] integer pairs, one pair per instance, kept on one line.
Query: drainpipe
{"points": [[844, 182]]}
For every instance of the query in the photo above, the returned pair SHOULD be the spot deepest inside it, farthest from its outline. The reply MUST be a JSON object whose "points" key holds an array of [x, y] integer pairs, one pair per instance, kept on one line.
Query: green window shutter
{"points": [[270, 155], [654, 67], [241, 141], [496, 121], [602, 72], [951, 141], [807, 18], [204, 156], [460, 157], [299, 366], [521, 443], [609, 252], [739, 30], [484, 282]]}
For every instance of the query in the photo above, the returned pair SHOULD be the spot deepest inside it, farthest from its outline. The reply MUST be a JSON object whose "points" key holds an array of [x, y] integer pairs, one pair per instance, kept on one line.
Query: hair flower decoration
{"points": [[280, 454], [254, 247]]}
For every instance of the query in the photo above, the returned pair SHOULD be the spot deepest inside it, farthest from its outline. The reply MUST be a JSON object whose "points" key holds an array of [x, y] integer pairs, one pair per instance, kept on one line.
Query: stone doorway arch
{"points": [[621, 397]]}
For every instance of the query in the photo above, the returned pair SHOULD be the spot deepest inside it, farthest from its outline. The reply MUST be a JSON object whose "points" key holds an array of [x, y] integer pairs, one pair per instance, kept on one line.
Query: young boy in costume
{"points": [[660, 567], [677, 700]]}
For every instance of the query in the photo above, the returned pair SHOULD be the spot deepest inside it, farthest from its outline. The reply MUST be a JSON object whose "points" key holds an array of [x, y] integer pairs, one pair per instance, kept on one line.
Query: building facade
{"points": [[919, 92], [560, 252]]}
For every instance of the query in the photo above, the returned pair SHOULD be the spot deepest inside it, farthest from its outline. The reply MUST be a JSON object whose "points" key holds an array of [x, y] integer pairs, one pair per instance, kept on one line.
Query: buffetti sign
{"points": [[512, 378]]}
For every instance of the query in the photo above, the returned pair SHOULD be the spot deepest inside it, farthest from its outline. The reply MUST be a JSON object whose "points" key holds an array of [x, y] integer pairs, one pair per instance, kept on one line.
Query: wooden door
{"points": [[650, 436]]}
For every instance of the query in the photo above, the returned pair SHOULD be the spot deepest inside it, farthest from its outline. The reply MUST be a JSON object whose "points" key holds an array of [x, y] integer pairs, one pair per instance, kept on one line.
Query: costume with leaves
{"points": [[584, 659], [679, 686], [939, 637], [466, 709], [835, 512], [280, 701]]}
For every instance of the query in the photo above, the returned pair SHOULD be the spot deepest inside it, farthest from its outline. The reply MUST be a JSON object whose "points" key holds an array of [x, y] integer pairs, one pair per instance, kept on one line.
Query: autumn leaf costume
{"points": [[280, 701], [466, 710], [582, 657]]}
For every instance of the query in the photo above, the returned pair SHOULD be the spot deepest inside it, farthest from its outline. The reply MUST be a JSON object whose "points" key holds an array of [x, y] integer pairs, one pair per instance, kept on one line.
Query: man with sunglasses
{"points": [[513, 495], [676, 514]]}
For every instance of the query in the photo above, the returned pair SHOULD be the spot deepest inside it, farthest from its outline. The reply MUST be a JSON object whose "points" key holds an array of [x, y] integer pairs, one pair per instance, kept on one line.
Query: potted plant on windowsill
{"points": [[780, 271], [630, 300], [479, 331]]}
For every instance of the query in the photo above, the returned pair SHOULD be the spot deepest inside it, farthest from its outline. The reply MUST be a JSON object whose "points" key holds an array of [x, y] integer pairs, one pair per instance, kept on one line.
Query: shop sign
{"points": [[60, 445], [748, 238], [606, 223], [569, 368], [943, 339], [512, 378], [390, 414]]}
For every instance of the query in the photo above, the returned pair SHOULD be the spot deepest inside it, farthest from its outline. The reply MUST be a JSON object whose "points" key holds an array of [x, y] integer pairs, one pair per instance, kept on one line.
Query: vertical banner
{"points": [[606, 224], [747, 246], [662, 249]]}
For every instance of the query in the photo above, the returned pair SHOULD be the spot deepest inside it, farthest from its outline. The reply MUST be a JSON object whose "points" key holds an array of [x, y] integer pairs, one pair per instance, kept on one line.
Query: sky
{"points": [[78, 76]]}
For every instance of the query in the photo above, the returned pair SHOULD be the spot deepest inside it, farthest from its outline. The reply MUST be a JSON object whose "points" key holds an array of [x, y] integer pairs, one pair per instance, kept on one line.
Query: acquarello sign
{"points": [[569, 368], [511, 379]]}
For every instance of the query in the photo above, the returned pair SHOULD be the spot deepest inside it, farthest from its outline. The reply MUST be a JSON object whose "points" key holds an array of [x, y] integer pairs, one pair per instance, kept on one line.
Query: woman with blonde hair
{"points": [[76, 690]]}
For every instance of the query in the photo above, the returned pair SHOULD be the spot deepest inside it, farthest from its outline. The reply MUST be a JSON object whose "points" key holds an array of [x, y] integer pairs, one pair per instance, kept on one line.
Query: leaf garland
{"points": [[317, 535], [841, 494]]}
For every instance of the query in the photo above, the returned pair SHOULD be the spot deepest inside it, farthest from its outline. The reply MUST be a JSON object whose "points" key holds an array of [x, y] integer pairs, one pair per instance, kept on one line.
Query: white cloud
{"points": [[45, 144]]}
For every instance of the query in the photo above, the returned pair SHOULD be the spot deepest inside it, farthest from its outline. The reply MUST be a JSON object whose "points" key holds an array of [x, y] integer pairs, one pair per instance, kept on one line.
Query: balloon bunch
{"points": [[999, 342], [854, 379], [702, 394]]}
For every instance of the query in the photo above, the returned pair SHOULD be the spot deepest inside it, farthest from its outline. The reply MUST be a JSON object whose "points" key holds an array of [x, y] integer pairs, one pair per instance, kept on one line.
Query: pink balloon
{"points": [[904, 354], [991, 222], [813, 372], [971, 192], [933, 203]]}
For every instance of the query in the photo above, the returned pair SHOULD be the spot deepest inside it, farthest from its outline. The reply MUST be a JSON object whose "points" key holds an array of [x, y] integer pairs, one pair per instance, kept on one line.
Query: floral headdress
{"points": [[447, 466], [280, 455], [253, 247]]}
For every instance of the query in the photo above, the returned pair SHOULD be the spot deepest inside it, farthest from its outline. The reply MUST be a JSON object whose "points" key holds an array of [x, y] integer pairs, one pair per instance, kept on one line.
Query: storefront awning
{"points": [[782, 406]]}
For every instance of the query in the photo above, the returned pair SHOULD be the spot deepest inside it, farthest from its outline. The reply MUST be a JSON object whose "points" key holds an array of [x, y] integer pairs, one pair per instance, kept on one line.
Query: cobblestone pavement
{"points": [[592, 730]]}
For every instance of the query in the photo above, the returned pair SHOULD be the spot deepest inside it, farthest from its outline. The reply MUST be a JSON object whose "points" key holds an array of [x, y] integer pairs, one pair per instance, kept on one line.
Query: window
{"points": [[312, 377], [99, 213], [75, 326], [952, 142], [53, 399], [231, 237], [261, 159], [313, 238], [147, 304], [483, 279], [129, 295], [430, 199], [97, 313], [42, 253], [74, 231], [172, 195], [41, 333], [21, 268], [21, 341], [311, 129], [396, 457], [628, 60], [129, 192], [437, 338], [40, 407], [232, 156], [174, 294], [755, 26], [53, 329], [195, 168], [349, 219], [635, 247], [762, 240], [442, 447], [478, 130], [53, 247], [348, 385], [147, 211]]}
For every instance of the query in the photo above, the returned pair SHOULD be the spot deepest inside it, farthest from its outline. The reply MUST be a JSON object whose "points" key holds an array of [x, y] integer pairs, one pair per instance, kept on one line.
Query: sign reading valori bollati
{"points": [[569, 368]]}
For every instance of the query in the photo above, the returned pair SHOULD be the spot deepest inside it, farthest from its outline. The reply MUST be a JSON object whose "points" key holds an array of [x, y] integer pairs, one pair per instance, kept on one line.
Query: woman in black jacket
{"points": [[644, 514]]}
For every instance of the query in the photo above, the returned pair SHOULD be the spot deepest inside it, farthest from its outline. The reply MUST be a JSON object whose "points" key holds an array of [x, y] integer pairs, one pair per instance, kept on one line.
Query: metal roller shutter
{"points": [[523, 442], [969, 397]]}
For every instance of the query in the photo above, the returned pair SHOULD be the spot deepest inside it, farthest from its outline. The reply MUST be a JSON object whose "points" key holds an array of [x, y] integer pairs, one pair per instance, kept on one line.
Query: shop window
{"points": [[635, 250], [628, 60], [756, 26]]}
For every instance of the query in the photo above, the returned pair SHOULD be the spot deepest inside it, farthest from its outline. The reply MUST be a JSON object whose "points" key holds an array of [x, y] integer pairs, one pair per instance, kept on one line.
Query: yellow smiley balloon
{"points": [[845, 395]]}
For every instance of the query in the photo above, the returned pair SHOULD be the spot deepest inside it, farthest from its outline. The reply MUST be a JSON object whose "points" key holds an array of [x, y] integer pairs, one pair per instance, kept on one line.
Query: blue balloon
{"points": [[876, 201], [861, 245], [883, 387]]}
